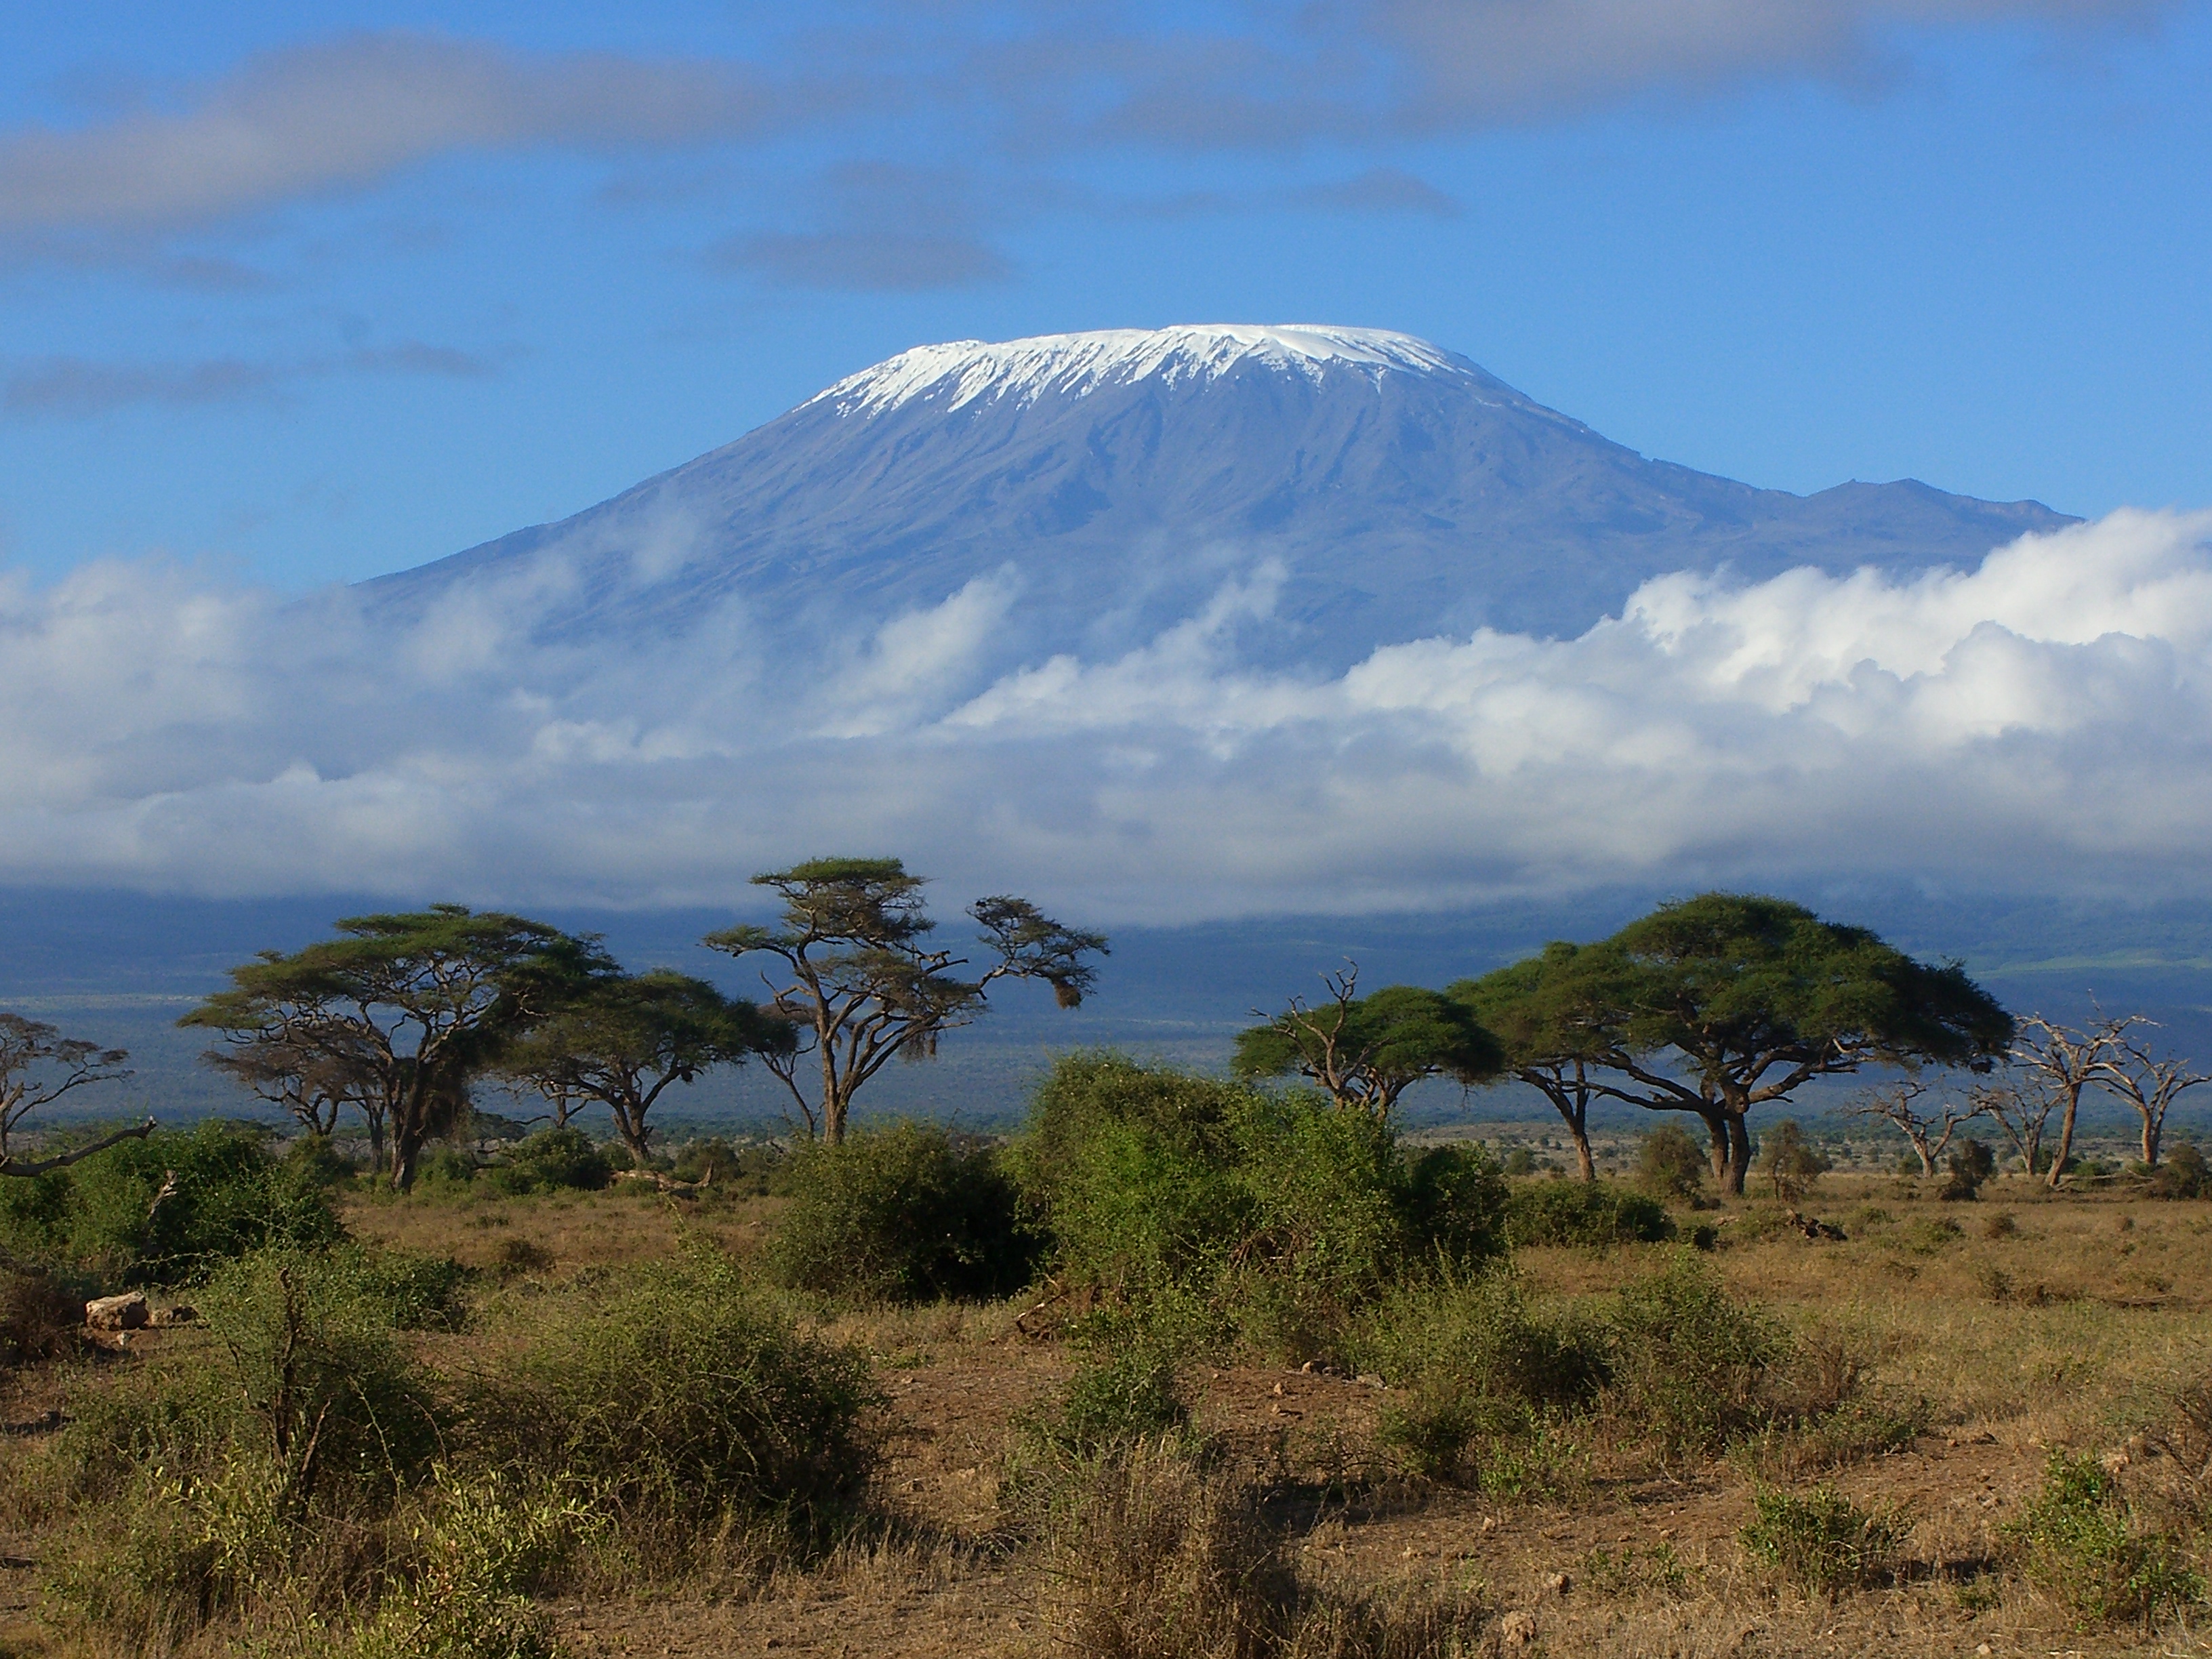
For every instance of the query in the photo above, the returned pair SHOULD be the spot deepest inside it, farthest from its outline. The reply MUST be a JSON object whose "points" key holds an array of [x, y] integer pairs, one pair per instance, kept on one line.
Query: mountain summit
{"points": [[1353, 487]]}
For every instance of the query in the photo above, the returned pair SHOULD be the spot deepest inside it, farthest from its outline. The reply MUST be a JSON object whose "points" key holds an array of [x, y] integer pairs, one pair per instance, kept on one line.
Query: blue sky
{"points": [[314, 294]]}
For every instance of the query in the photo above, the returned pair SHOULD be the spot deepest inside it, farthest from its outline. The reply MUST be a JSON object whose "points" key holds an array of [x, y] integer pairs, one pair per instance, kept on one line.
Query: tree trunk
{"points": [[2152, 1128], [2065, 1139], [1926, 1158], [405, 1150], [1739, 1145], [833, 1104], [1716, 1129], [1584, 1158]]}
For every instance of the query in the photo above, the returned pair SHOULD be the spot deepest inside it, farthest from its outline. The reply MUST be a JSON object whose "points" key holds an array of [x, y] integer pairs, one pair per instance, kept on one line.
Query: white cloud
{"points": [[2043, 722], [345, 113]]}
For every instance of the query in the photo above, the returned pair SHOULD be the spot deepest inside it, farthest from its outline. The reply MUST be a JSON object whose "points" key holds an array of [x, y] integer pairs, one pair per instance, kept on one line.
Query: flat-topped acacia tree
{"points": [[1726, 1002], [625, 1040], [1364, 1052], [862, 984], [1556, 1026], [400, 1011]]}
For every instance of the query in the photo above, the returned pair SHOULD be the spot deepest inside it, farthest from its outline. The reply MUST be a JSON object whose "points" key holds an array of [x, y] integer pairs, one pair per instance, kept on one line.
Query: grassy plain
{"points": [[1994, 1333]]}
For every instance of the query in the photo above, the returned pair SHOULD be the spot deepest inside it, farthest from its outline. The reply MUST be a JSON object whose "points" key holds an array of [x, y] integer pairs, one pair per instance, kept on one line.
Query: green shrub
{"points": [[552, 1160], [1594, 1214], [1479, 1381], [1969, 1164], [677, 1392], [337, 1404], [1670, 1164], [1116, 1401], [1687, 1362], [2183, 1174], [753, 1169], [2086, 1546], [1282, 1212], [1822, 1541], [168, 1207], [904, 1213], [444, 1167], [1789, 1162], [39, 1316]]}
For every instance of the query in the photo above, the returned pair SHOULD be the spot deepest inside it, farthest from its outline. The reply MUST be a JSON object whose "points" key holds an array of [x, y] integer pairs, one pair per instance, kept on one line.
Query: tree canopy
{"points": [[398, 1013], [1556, 1025], [38, 1066], [1726, 1002], [862, 983], [624, 1040], [1366, 1051]]}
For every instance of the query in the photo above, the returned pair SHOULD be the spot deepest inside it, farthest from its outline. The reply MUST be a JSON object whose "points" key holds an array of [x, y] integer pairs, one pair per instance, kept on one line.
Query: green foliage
{"points": [[1593, 1214], [902, 1213], [1281, 1212], [2183, 1174], [39, 1316], [1788, 1162], [1971, 1164], [1822, 1541], [679, 1392], [2086, 1546], [166, 1208], [338, 1405], [1118, 1399], [1477, 1380], [552, 1160], [1670, 1164], [1366, 1051], [752, 1169], [1688, 1363]]}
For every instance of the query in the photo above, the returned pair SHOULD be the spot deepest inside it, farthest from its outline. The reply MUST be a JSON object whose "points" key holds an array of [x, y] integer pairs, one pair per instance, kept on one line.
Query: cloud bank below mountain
{"points": [[2038, 723]]}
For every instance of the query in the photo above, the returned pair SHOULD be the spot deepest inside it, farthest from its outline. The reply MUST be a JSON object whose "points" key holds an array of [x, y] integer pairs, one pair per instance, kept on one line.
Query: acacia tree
{"points": [[1897, 1104], [625, 1040], [1555, 1030], [2057, 1063], [1367, 1051], [2147, 1083], [38, 1066], [420, 1003], [862, 984], [1750, 998]]}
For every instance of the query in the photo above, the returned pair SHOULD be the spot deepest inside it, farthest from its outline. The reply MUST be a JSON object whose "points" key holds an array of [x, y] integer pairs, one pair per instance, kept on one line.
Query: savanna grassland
{"points": [[1186, 1369]]}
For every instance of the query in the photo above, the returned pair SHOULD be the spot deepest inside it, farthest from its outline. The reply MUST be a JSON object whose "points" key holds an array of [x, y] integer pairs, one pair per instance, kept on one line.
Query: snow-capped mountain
{"points": [[1345, 488]]}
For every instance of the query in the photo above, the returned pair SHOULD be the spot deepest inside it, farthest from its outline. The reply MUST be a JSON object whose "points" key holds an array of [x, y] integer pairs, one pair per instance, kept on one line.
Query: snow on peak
{"points": [[964, 371]]}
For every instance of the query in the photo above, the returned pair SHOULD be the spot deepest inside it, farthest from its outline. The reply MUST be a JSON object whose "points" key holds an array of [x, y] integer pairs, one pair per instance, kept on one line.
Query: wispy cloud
{"points": [[68, 386], [346, 113], [2040, 721], [865, 260]]}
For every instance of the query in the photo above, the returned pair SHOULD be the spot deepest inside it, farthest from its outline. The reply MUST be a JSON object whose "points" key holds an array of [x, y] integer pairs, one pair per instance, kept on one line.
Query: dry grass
{"points": [[2075, 1328]]}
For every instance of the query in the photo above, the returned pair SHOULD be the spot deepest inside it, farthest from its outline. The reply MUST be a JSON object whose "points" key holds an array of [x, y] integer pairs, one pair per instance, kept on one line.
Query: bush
{"points": [[39, 1316], [1822, 1541], [335, 1405], [1477, 1377], [2085, 1547], [1280, 1211], [905, 1213], [1670, 1164], [753, 1170], [1594, 1214], [678, 1393], [1971, 1164], [1687, 1362], [168, 1207], [2182, 1175], [552, 1160], [1117, 1400], [1788, 1161]]}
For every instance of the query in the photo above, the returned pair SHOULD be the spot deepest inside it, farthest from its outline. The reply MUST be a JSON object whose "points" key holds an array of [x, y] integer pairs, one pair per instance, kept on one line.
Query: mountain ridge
{"points": [[1114, 481]]}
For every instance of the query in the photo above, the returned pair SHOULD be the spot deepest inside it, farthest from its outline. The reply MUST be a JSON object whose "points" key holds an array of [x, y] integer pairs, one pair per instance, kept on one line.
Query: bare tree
{"points": [[2058, 1063], [2148, 1085], [1898, 1103], [38, 1066]]}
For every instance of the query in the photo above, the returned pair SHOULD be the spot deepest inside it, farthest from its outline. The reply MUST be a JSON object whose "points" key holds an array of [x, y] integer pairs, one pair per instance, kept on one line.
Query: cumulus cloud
{"points": [[2042, 722]]}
